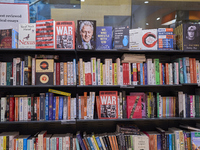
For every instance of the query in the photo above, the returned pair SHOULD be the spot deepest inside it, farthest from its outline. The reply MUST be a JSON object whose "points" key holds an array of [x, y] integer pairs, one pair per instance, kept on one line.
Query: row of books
{"points": [[37, 71], [106, 105], [183, 138]]}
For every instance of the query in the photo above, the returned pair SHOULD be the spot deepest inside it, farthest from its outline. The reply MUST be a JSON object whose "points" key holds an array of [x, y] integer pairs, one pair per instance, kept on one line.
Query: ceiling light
{"points": [[82, 0], [147, 24], [146, 2], [158, 18], [74, 5]]}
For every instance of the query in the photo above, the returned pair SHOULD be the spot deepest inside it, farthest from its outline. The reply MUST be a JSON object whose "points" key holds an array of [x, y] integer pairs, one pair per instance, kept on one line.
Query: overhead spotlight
{"points": [[147, 24], [158, 18], [146, 2], [82, 0], [74, 5]]}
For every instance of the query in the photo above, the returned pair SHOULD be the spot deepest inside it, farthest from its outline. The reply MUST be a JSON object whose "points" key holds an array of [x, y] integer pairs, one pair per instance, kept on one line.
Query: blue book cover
{"points": [[170, 142], [22, 73], [195, 139], [14, 39], [99, 142], [104, 37], [165, 38], [77, 145], [25, 142], [50, 106], [42, 106], [47, 106], [158, 142], [54, 108], [90, 142], [80, 141], [145, 73], [163, 72], [141, 73], [184, 70], [60, 112], [174, 69]]}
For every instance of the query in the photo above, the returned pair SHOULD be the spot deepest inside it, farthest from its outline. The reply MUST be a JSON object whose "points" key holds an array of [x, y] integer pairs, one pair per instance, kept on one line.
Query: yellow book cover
{"points": [[59, 92], [115, 73], [65, 73], [83, 73], [4, 142], [101, 73], [95, 142]]}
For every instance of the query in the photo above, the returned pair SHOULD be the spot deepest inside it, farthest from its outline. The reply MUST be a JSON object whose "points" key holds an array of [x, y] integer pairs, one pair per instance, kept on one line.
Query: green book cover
{"points": [[157, 73], [180, 66], [196, 105], [158, 104], [8, 73]]}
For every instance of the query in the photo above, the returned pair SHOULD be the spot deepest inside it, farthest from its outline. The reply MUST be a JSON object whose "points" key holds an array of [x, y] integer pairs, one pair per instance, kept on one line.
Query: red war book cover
{"points": [[65, 34], [134, 106], [108, 104], [45, 34]]}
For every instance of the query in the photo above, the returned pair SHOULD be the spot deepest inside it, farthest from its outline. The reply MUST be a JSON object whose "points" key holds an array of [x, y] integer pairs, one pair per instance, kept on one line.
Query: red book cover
{"points": [[97, 105], [134, 65], [65, 34], [45, 34], [108, 104], [124, 73], [134, 106], [12, 109], [191, 70], [167, 73], [57, 143], [195, 69], [127, 73], [89, 78], [57, 73]]}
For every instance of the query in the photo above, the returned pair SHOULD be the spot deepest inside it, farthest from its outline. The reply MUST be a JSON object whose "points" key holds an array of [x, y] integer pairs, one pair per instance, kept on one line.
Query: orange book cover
{"points": [[85, 105], [97, 105], [38, 108], [113, 140], [108, 104], [111, 143], [82, 107], [57, 107], [194, 69], [191, 70], [167, 73], [65, 73], [116, 142], [16, 108], [155, 139], [160, 72], [44, 145], [84, 142], [69, 107], [164, 106]]}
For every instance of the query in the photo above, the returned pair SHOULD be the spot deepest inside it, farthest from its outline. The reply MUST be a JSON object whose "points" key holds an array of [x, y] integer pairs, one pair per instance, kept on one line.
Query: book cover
{"points": [[149, 39], [65, 34], [108, 104], [134, 107], [44, 71], [86, 34], [8, 38], [42, 106], [104, 37], [27, 69], [135, 39], [165, 38], [45, 34], [27, 33], [121, 37]]}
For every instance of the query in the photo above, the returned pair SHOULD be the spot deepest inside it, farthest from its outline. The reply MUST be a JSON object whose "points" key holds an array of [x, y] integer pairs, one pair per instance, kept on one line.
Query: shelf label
{"points": [[68, 121], [127, 86]]}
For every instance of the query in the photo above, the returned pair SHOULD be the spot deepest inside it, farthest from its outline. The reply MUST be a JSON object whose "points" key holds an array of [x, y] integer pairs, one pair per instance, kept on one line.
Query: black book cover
{"points": [[163, 139], [123, 141], [126, 141], [32, 106], [108, 142], [18, 66], [121, 37], [124, 104], [35, 108], [7, 107], [42, 106], [118, 141], [86, 34], [105, 143], [167, 141]]}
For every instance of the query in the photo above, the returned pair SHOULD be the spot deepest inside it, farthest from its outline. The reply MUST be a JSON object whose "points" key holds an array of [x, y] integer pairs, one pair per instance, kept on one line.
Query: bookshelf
{"points": [[95, 125]]}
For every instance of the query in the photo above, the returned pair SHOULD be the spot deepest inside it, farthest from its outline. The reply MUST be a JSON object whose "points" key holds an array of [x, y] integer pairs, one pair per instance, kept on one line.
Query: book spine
{"points": [[61, 108], [61, 73], [57, 73], [188, 69], [16, 109], [32, 107], [54, 73], [42, 106], [38, 108], [51, 99], [35, 108], [47, 106], [71, 74], [29, 108], [181, 74], [57, 108], [74, 71], [65, 108], [33, 71], [157, 75], [12, 109], [65, 73]]}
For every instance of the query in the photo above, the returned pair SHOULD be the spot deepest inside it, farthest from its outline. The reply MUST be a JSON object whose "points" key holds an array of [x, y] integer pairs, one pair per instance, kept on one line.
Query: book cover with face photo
{"points": [[191, 36], [86, 34]]}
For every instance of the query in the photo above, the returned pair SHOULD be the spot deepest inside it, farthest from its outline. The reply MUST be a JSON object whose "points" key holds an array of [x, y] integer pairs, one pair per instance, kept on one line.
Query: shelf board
{"points": [[98, 86], [38, 86], [30, 122], [36, 50]]}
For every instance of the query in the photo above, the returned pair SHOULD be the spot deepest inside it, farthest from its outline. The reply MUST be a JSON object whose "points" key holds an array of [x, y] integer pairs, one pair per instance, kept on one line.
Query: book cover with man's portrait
{"points": [[86, 34]]}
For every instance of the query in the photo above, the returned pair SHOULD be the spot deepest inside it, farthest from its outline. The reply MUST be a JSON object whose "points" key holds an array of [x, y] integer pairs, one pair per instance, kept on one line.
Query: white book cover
{"points": [[98, 71], [121, 75], [110, 72], [92, 108], [93, 70], [72, 108], [149, 39], [153, 77], [180, 103], [129, 66], [104, 74], [171, 74], [107, 71], [68, 73], [3, 108], [21, 109], [140, 142], [89, 104], [33, 71], [27, 33], [14, 70], [135, 39], [72, 71], [25, 110], [54, 73], [149, 71], [81, 70], [61, 73], [3, 73]]}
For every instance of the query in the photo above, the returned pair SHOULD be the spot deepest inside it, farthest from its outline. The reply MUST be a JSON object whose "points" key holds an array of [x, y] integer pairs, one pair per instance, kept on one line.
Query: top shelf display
{"points": [[60, 35]]}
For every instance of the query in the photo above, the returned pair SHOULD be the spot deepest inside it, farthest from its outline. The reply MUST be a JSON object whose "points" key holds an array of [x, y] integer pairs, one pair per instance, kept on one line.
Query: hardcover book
{"points": [[104, 37], [121, 37], [44, 71], [27, 34], [149, 39], [45, 34], [135, 39], [134, 107], [86, 34], [8, 38], [108, 104], [65, 34]]}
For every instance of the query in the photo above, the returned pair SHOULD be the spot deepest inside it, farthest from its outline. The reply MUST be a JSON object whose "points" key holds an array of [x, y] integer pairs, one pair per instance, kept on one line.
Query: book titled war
{"points": [[8, 38], [108, 104], [65, 34], [44, 71], [45, 34], [121, 37], [104, 38], [27, 35]]}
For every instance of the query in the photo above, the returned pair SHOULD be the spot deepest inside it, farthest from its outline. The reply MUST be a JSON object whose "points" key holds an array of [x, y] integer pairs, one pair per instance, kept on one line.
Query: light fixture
{"points": [[74, 5], [158, 18], [146, 2], [82, 0], [147, 24]]}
